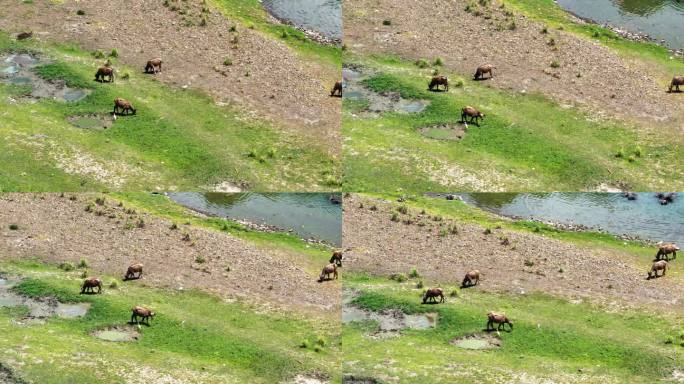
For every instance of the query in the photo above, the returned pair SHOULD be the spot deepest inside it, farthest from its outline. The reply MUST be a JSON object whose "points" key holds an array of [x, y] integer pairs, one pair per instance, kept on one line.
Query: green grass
{"points": [[178, 139], [526, 142], [251, 13], [195, 337], [552, 339]]}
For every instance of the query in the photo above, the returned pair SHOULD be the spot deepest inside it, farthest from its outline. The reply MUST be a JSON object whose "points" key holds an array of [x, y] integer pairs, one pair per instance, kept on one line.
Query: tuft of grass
{"points": [[83, 263], [66, 266], [387, 22], [414, 273], [114, 53], [13, 227]]}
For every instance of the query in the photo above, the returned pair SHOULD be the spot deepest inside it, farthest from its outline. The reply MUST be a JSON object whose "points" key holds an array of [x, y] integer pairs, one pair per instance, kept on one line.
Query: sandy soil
{"points": [[382, 247], [607, 84], [58, 229], [280, 85]]}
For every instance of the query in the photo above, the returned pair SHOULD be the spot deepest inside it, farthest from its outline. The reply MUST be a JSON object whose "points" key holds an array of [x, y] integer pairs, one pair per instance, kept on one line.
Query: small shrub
{"points": [[271, 153], [173, 226], [620, 153], [98, 55], [402, 209], [13, 227], [84, 274], [419, 284], [321, 341], [545, 30], [438, 62], [458, 83], [394, 217], [512, 26], [454, 292], [233, 28], [421, 63], [140, 223], [114, 53], [453, 229], [373, 208], [186, 237], [125, 76], [631, 158], [414, 273], [89, 207], [387, 22], [114, 284], [100, 201], [203, 21], [317, 348], [638, 152], [398, 277], [199, 259], [80, 12], [555, 64], [487, 231], [669, 340], [529, 263], [284, 34], [305, 344], [66, 266], [83, 263]]}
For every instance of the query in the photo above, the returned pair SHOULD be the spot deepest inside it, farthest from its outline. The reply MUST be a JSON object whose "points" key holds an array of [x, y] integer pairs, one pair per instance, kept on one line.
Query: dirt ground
{"points": [[382, 247], [266, 77], [58, 229], [590, 75]]}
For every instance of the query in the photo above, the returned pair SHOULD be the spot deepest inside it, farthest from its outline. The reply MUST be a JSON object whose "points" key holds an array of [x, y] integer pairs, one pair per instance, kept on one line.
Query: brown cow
{"points": [[337, 89], [482, 69], [676, 82], [432, 294], [471, 278], [473, 114], [657, 266], [153, 66], [437, 81], [25, 35], [123, 106], [498, 318], [104, 71], [666, 249], [330, 269], [144, 313], [132, 270], [336, 258], [90, 284]]}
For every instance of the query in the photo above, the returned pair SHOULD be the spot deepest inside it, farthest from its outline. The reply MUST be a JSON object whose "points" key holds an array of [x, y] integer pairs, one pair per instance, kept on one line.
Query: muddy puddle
{"points": [[96, 122], [477, 342], [18, 69], [448, 132], [117, 334], [376, 102], [38, 309]]}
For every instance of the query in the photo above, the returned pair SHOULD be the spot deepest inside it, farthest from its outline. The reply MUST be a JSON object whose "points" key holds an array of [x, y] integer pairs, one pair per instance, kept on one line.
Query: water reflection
{"points": [[643, 217], [309, 215], [660, 19]]}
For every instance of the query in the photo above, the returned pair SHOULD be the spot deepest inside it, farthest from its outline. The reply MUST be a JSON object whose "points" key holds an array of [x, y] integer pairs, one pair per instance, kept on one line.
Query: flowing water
{"points": [[309, 215], [322, 16], [611, 212], [660, 19]]}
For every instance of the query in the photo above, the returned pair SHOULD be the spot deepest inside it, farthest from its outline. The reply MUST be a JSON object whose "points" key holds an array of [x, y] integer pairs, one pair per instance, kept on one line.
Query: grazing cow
{"points": [[666, 249], [482, 69], [337, 89], [657, 266], [123, 106], [25, 35], [132, 270], [437, 81], [336, 258], [104, 71], [90, 284], [153, 66], [143, 313], [432, 294], [471, 278], [500, 319], [676, 82], [330, 269], [473, 114]]}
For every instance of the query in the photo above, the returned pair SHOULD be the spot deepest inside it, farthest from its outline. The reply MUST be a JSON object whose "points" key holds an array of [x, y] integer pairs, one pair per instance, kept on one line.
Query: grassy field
{"points": [[179, 139], [552, 341], [194, 337], [526, 143]]}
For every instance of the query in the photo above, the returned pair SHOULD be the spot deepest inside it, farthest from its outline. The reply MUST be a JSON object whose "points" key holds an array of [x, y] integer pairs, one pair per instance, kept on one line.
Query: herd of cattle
{"points": [[139, 314], [471, 113], [106, 74]]}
